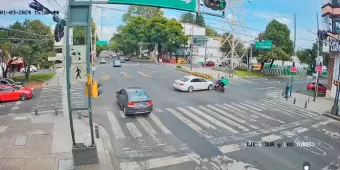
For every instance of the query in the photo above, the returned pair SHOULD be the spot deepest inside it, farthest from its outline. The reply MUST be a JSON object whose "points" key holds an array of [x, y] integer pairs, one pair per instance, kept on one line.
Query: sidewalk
{"points": [[321, 104], [43, 142]]}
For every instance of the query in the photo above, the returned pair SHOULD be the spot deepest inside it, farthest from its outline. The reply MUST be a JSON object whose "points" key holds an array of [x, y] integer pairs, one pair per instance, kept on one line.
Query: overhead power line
{"points": [[8, 29]]}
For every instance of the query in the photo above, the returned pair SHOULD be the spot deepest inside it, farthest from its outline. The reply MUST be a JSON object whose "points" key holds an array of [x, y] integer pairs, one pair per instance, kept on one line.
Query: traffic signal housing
{"points": [[217, 5], [322, 34]]}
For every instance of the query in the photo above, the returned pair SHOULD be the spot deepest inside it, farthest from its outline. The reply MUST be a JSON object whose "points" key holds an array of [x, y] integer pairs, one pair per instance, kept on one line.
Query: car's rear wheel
{"points": [[210, 87], [23, 97], [190, 89]]}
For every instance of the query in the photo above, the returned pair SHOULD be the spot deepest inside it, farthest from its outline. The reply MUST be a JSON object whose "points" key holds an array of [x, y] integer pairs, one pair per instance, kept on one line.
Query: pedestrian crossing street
{"points": [[51, 98], [217, 123]]}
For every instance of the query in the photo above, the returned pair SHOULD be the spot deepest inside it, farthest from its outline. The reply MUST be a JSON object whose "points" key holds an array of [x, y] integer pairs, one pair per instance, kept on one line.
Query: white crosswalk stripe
{"points": [[215, 122], [274, 93]]}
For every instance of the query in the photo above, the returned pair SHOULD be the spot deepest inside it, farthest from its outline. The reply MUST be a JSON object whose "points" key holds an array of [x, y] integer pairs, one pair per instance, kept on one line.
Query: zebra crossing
{"points": [[124, 64], [217, 123], [51, 98], [274, 93]]}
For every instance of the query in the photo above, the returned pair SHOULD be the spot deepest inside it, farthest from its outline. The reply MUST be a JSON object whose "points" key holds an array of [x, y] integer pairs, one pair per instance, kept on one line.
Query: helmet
{"points": [[222, 77]]}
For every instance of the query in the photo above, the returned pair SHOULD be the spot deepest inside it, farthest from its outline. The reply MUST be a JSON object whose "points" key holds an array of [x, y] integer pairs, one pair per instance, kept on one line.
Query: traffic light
{"points": [[194, 40], [322, 34], [217, 5]]}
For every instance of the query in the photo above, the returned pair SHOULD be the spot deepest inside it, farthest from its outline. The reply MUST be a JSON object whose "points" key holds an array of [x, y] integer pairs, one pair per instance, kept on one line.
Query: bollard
{"points": [[306, 104], [36, 111], [96, 130], [287, 98], [79, 115], [56, 110], [294, 100]]}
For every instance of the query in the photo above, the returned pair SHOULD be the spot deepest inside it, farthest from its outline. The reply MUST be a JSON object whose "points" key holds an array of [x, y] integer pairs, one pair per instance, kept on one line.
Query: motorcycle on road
{"points": [[219, 88]]}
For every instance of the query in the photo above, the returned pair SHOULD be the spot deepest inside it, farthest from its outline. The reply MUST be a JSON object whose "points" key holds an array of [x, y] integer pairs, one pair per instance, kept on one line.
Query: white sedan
{"points": [[192, 83]]}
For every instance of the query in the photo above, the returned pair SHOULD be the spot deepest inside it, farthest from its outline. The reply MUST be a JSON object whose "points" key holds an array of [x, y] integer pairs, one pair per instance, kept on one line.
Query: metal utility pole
{"points": [[292, 79], [232, 43], [317, 55], [205, 52], [335, 107], [191, 43], [101, 24], [249, 56]]}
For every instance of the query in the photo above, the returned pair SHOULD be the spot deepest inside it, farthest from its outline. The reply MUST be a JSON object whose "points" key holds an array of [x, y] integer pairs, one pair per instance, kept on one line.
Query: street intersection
{"points": [[203, 130]]}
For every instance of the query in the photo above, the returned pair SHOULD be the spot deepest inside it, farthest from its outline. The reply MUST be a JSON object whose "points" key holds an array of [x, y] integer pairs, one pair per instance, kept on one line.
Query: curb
{"points": [[205, 76], [327, 114]]}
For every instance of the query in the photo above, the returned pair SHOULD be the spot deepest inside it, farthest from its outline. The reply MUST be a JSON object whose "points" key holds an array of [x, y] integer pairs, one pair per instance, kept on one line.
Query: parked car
{"points": [[117, 63], [9, 93], [127, 58], [322, 88], [192, 83], [134, 100], [209, 64], [32, 69], [122, 59], [10, 82]]}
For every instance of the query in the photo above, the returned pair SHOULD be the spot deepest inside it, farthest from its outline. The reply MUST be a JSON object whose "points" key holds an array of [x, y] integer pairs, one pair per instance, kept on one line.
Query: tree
{"points": [[168, 34], [210, 32], [80, 32], [187, 18], [226, 47], [282, 44], [200, 20], [143, 11]]}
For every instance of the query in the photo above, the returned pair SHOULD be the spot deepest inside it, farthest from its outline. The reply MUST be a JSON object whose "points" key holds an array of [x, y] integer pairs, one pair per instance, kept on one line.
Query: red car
{"points": [[321, 87], [9, 93], [209, 64]]}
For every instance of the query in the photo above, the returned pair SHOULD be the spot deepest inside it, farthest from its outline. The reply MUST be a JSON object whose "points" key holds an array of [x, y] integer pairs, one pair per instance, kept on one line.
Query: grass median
{"points": [[242, 73], [35, 80]]}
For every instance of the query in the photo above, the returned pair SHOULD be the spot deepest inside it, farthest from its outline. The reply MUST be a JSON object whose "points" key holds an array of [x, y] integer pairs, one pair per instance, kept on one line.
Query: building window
{"points": [[336, 3], [327, 23], [58, 50], [336, 25]]}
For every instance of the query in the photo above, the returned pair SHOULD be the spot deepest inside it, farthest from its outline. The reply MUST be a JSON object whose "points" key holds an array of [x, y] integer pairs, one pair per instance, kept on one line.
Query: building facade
{"points": [[331, 23]]}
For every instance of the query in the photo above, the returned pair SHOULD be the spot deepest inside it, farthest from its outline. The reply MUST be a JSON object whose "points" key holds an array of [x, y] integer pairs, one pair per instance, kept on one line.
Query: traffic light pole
{"points": [[316, 63]]}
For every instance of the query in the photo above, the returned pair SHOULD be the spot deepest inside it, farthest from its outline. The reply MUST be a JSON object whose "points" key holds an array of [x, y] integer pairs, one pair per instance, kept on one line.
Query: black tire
{"points": [[222, 90], [124, 111], [210, 87], [23, 97], [190, 89]]}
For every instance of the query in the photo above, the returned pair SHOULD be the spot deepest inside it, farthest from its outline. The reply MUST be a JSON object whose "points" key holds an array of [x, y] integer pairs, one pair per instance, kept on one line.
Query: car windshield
{"points": [[117, 61], [184, 79], [138, 96]]}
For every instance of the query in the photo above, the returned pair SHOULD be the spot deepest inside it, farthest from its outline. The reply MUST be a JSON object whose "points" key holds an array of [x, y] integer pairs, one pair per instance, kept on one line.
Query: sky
{"points": [[252, 16]]}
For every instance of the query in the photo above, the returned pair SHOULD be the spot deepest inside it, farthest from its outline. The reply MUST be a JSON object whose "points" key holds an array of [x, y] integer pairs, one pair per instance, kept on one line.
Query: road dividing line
{"points": [[196, 118], [323, 123], [133, 130], [159, 123], [232, 117], [158, 162], [211, 119], [149, 129], [227, 120], [258, 113], [271, 138], [229, 148], [265, 88], [15, 108], [189, 123], [117, 130], [18, 102]]}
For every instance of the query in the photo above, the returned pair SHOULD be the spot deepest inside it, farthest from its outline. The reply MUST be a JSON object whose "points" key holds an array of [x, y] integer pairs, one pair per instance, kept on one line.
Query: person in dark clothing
{"points": [[287, 89]]}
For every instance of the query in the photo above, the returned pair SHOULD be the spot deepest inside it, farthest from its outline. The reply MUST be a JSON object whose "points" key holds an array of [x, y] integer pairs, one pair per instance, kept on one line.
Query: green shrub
{"points": [[178, 66]]}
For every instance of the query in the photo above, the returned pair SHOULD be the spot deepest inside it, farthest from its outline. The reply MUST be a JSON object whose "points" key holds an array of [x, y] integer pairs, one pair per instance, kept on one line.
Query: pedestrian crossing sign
{"points": [[78, 73]]}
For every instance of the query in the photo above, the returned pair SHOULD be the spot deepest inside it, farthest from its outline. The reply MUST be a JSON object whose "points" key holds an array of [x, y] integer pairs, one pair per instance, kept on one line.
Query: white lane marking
{"points": [[211, 119], [229, 148], [122, 114], [159, 123], [271, 138], [142, 73], [272, 82], [265, 88], [148, 128], [254, 108], [307, 112], [158, 162], [117, 130], [323, 123], [268, 107], [294, 132], [290, 109], [18, 103], [133, 130], [227, 120], [15, 108], [246, 114], [231, 116], [190, 123], [243, 116], [196, 118], [257, 113]]}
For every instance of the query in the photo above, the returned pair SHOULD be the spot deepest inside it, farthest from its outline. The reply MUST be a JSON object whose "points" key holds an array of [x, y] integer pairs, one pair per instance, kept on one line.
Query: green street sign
{"points": [[185, 5], [103, 43], [264, 45]]}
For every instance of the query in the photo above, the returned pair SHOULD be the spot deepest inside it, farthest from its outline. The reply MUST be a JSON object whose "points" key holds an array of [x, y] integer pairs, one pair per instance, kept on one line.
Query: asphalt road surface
{"points": [[209, 130]]}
